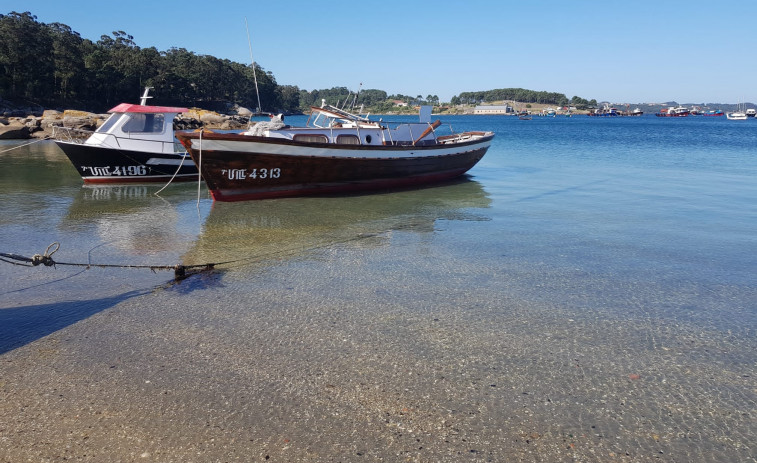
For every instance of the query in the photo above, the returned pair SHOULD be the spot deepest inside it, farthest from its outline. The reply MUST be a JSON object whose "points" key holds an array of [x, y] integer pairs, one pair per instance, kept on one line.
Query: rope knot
{"points": [[47, 258]]}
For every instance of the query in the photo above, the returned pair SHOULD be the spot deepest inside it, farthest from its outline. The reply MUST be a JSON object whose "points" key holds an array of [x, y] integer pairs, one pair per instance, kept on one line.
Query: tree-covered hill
{"points": [[52, 66], [521, 95]]}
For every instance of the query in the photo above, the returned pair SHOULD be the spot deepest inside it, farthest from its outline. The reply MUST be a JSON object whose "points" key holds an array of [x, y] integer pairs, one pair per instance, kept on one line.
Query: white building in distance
{"points": [[493, 109]]}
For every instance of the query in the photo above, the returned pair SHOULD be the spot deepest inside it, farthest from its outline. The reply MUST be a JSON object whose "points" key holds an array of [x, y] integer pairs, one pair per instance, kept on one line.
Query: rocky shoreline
{"points": [[40, 124]]}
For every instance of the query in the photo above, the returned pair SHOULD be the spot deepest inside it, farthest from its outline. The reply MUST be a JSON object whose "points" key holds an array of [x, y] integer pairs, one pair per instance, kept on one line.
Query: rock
{"points": [[182, 123], [13, 131], [51, 114], [242, 111], [212, 118], [77, 113], [232, 124], [82, 123]]}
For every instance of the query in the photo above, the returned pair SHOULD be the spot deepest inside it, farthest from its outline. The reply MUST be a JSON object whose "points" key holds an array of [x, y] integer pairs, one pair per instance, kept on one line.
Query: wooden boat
{"points": [[135, 144], [335, 152]]}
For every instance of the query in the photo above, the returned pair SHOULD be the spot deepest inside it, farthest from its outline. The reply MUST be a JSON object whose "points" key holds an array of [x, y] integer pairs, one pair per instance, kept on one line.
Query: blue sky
{"points": [[689, 51]]}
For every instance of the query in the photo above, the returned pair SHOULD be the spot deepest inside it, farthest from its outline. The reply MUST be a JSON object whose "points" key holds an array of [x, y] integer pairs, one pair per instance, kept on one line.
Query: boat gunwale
{"points": [[480, 137]]}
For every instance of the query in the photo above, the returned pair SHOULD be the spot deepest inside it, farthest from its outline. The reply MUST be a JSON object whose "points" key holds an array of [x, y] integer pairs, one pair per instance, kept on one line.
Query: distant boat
{"points": [[549, 112], [751, 112], [678, 111], [713, 113], [738, 115], [607, 111], [635, 112], [135, 144]]}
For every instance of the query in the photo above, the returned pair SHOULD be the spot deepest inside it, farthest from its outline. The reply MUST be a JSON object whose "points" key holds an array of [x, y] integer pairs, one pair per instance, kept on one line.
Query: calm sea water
{"points": [[587, 292]]}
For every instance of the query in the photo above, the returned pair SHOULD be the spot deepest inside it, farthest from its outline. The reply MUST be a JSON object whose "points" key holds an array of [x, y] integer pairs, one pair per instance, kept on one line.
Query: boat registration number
{"points": [[244, 174], [125, 171]]}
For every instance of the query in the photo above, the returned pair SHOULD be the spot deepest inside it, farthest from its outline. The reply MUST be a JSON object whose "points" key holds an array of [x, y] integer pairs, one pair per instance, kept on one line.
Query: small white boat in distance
{"points": [[739, 115], [736, 116]]}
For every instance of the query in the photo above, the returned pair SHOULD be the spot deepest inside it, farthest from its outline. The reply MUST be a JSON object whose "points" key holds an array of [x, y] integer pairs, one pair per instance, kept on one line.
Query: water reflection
{"points": [[245, 230], [133, 219]]}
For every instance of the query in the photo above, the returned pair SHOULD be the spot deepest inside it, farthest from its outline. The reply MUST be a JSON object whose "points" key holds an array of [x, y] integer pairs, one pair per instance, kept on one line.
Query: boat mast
{"points": [[254, 74], [145, 97]]}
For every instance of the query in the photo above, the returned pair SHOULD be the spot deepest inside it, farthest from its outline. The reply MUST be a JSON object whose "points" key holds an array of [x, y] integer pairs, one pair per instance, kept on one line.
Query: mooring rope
{"points": [[26, 144], [46, 259], [199, 173], [173, 176], [180, 271]]}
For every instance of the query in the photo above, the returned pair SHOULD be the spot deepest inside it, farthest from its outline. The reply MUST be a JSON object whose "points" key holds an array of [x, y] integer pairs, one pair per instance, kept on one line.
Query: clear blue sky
{"points": [[623, 51]]}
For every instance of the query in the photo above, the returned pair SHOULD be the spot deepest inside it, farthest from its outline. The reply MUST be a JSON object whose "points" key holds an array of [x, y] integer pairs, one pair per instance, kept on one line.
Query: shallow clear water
{"points": [[586, 293]]}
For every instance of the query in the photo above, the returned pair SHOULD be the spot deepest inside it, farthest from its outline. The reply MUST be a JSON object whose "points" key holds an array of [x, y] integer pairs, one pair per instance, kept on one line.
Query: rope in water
{"points": [[180, 271], [25, 144]]}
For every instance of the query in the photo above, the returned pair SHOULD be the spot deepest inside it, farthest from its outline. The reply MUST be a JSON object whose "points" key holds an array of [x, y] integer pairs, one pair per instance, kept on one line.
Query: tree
{"points": [[288, 98], [67, 61], [21, 36]]}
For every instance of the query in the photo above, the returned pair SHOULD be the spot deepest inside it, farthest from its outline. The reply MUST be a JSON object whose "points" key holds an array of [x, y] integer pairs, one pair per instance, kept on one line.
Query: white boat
{"points": [[738, 115], [751, 112], [335, 152], [135, 144]]}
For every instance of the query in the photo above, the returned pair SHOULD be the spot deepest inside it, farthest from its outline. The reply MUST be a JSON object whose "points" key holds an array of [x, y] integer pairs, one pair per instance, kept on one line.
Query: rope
{"points": [[47, 258], [25, 144], [180, 271], [174, 174], [199, 173]]}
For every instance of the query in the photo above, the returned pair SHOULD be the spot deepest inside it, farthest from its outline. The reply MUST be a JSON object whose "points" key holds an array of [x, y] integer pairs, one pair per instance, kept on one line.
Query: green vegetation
{"points": [[52, 66], [521, 95]]}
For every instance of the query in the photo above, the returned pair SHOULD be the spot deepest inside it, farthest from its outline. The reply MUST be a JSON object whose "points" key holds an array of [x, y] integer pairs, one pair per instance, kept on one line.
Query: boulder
{"points": [[210, 118], [14, 130], [242, 111], [82, 123]]}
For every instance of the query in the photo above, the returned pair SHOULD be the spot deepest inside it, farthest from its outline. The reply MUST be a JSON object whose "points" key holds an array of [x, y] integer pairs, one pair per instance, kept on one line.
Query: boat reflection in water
{"points": [[281, 228], [133, 220]]}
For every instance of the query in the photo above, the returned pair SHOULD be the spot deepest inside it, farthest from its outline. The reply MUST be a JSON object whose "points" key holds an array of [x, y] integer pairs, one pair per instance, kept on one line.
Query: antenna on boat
{"points": [[145, 97], [254, 74], [354, 100]]}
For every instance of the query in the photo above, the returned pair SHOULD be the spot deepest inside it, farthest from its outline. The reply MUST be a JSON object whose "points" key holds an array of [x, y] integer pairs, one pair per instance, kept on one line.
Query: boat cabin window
{"points": [[110, 122], [144, 123], [347, 140], [315, 138]]}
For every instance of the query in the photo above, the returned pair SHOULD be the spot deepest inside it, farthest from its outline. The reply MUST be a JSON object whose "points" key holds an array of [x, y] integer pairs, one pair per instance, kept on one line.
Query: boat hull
{"points": [[96, 164], [238, 168]]}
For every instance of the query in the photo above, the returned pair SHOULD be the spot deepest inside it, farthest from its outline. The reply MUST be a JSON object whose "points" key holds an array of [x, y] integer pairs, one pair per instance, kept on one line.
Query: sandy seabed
{"points": [[368, 353]]}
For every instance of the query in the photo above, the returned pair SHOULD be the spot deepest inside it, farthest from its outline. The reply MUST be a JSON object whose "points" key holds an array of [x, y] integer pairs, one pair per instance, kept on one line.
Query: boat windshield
{"points": [[109, 123], [322, 120], [144, 123]]}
